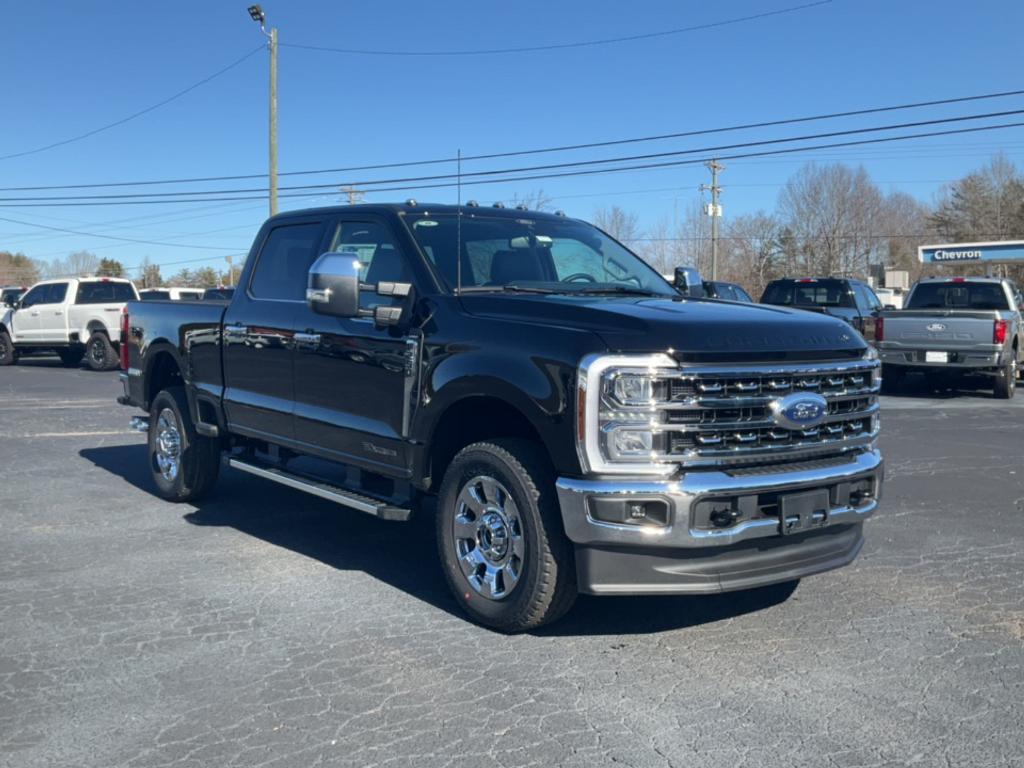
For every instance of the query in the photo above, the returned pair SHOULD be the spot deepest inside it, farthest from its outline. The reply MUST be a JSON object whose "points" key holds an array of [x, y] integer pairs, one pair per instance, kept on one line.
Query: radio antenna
{"points": [[458, 221]]}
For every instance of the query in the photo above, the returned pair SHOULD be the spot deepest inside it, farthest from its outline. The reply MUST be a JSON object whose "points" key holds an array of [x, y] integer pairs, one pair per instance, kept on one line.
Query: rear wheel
{"points": [[8, 354], [185, 464], [1006, 381], [71, 357], [100, 354], [500, 537]]}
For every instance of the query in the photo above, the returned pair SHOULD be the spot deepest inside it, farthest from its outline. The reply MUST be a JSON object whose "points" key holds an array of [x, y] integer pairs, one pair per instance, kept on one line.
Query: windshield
{"points": [[958, 296], [542, 255], [812, 293]]}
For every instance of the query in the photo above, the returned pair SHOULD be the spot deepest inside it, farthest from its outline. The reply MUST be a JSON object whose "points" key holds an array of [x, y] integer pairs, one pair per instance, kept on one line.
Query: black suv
{"points": [[848, 299]]}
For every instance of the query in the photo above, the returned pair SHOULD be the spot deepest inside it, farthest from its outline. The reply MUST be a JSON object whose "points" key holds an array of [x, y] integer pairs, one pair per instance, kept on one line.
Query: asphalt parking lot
{"points": [[269, 628]]}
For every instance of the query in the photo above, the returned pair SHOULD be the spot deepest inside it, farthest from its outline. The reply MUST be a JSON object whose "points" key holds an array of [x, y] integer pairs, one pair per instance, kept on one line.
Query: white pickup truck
{"points": [[76, 318]]}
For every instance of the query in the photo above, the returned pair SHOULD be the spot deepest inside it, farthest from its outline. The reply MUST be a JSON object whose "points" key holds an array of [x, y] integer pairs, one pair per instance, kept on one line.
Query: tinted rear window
{"points": [[218, 294], [155, 295], [104, 293], [958, 296], [819, 293]]}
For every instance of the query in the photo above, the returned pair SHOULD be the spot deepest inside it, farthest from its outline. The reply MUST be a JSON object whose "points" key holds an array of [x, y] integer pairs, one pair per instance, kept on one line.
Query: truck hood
{"points": [[698, 330]]}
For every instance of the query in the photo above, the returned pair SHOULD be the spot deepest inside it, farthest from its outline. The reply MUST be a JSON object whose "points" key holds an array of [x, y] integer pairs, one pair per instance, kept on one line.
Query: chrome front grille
{"points": [[723, 415]]}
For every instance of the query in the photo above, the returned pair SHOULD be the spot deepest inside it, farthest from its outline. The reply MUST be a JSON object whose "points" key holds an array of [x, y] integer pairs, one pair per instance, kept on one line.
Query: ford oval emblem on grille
{"points": [[799, 410], [936, 326]]}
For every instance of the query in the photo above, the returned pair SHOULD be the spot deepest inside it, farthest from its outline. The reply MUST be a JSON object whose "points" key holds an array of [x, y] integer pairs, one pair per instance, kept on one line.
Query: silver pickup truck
{"points": [[954, 325]]}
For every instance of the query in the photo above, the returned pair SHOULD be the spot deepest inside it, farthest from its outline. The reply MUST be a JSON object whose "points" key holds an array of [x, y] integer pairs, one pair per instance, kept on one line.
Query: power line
{"points": [[536, 151], [110, 237], [524, 169], [140, 113], [564, 46], [542, 176]]}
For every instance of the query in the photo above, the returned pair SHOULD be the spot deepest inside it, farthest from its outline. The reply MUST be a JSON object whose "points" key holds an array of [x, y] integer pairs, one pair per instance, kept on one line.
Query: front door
{"points": [[259, 327], [351, 395], [25, 319]]}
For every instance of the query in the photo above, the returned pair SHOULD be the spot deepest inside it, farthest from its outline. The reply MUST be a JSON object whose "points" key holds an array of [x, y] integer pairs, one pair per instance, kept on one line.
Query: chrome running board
{"points": [[358, 501]]}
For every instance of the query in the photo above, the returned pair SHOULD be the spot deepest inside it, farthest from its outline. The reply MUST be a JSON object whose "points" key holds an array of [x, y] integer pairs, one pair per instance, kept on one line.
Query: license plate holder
{"points": [[936, 357], [803, 511]]}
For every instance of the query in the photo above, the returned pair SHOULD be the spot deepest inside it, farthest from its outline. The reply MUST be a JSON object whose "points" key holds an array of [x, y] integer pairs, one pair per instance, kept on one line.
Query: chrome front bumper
{"points": [[681, 557]]}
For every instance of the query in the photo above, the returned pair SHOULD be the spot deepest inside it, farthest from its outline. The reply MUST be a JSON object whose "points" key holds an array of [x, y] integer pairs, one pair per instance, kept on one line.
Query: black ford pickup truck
{"points": [[581, 425]]}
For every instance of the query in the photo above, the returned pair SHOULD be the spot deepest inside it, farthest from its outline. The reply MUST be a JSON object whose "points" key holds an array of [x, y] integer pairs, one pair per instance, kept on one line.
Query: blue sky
{"points": [[71, 67]]}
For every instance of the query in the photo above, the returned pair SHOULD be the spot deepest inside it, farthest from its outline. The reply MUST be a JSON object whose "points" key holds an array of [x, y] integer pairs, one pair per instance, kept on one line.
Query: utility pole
{"points": [[257, 15], [231, 271], [353, 194], [715, 212]]}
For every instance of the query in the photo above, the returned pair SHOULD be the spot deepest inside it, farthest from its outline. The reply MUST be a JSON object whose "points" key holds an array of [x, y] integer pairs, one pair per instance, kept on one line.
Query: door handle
{"points": [[58, 312], [34, 314], [307, 338]]}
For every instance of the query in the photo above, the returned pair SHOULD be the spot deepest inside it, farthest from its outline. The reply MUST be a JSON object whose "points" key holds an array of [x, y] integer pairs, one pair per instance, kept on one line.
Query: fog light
{"points": [[646, 513]]}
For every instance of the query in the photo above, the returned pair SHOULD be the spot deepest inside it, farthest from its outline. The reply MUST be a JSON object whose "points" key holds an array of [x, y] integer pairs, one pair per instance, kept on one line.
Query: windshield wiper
{"points": [[621, 289], [508, 288]]}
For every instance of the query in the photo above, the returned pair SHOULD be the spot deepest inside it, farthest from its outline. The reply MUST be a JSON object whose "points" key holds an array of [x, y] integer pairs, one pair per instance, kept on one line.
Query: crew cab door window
{"points": [[380, 258], [283, 263], [35, 296], [55, 293]]}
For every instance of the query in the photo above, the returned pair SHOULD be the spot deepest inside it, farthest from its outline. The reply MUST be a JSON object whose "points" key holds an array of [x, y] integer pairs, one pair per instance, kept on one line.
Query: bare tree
{"points": [[81, 263], [752, 251], [985, 205], [623, 226], [830, 212], [17, 269], [536, 200]]}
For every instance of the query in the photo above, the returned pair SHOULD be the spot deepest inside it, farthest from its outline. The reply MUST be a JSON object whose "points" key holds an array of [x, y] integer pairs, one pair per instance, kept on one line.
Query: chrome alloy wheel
{"points": [[489, 538], [97, 351], [168, 445]]}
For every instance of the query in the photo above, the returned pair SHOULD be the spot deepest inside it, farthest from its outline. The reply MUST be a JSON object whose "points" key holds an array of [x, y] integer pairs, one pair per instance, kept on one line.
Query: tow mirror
{"points": [[333, 285], [687, 281], [334, 288]]}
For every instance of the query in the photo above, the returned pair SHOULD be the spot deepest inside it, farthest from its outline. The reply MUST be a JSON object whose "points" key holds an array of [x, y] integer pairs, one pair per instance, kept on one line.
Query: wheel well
{"points": [[163, 373], [95, 325], [470, 421]]}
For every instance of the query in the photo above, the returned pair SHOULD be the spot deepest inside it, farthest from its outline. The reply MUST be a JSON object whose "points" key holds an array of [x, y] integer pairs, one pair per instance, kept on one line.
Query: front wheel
{"points": [[185, 464], [1006, 380], [100, 354], [499, 532], [8, 354]]}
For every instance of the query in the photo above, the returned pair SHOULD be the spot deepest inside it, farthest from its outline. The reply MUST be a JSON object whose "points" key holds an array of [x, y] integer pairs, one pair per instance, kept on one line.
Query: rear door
{"points": [[350, 376], [53, 320], [259, 330]]}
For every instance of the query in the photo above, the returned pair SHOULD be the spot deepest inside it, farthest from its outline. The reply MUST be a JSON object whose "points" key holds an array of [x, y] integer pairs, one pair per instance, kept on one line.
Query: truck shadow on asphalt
{"points": [[404, 555], [951, 387]]}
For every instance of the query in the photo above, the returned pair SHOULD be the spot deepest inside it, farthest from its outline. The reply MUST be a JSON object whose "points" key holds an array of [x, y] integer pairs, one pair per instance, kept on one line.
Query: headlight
{"points": [[619, 422]]}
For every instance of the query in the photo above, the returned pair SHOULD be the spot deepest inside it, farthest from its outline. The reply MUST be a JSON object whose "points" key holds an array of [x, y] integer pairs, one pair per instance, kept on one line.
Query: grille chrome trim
{"points": [[719, 415]]}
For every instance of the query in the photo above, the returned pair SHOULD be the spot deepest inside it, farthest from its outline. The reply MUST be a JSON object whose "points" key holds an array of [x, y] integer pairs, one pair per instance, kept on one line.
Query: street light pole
{"points": [[257, 15]]}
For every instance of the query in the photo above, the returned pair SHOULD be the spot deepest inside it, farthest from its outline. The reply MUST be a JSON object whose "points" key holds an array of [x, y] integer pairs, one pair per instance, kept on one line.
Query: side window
{"points": [[55, 293], [859, 293], [381, 260], [35, 296], [284, 261], [742, 295], [873, 301], [726, 292]]}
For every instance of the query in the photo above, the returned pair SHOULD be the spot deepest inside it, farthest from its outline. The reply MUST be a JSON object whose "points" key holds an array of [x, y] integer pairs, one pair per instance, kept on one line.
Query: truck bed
{"points": [[189, 331]]}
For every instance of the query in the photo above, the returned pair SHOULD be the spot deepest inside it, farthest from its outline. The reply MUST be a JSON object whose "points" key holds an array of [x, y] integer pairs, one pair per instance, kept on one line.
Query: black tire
{"points": [[198, 457], [71, 357], [100, 354], [8, 354], [892, 378], [545, 586], [1005, 385]]}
